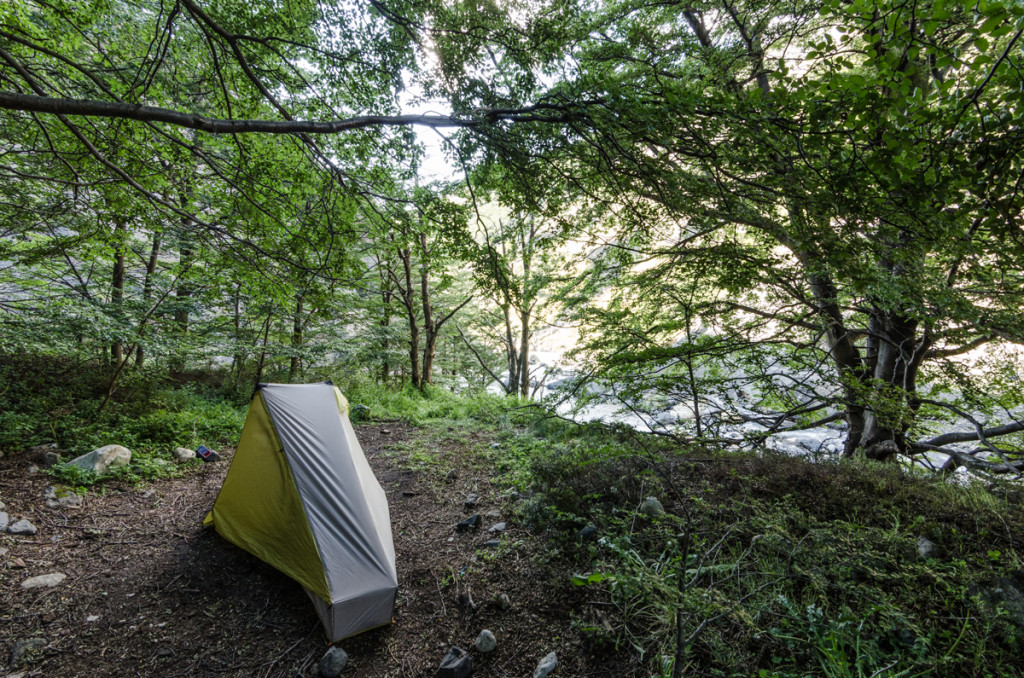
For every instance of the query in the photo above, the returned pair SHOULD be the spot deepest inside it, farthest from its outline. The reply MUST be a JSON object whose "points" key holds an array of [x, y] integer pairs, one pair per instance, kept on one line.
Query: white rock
{"points": [[4, 520], [44, 580], [103, 459], [497, 527], [546, 666], [184, 454], [485, 642], [92, 618]]}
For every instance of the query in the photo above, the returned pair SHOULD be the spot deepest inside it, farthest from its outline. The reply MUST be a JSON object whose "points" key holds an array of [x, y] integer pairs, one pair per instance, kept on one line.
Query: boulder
{"points": [[456, 664], [545, 666], [485, 642], [23, 527], [333, 663], [44, 581], [184, 454], [102, 459]]}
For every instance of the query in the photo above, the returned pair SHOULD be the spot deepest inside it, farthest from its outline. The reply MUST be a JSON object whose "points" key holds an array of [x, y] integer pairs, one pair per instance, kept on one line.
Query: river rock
{"points": [[546, 666], [22, 527], [102, 459], [652, 508], [485, 642], [44, 580], [24, 648], [456, 664], [184, 454], [333, 663]]}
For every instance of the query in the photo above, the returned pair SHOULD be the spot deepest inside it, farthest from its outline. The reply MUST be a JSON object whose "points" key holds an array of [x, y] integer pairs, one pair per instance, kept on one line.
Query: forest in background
{"points": [[816, 204]]}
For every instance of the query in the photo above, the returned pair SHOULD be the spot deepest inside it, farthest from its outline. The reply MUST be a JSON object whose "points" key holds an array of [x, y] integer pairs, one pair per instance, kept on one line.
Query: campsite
{"points": [[568, 338]]}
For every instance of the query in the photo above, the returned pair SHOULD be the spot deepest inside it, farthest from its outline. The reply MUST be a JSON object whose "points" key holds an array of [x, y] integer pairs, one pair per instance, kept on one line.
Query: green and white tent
{"points": [[301, 497]]}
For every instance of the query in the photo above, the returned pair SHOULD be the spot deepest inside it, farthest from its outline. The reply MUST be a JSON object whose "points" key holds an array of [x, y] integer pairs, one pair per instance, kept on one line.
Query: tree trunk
{"points": [[414, 330], [430, 344], [293, 368], [147, 292], [117, 288]]}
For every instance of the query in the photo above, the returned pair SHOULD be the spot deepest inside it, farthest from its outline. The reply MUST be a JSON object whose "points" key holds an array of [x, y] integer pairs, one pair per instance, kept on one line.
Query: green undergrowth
{"points": [[778, 567], [55, 402]]}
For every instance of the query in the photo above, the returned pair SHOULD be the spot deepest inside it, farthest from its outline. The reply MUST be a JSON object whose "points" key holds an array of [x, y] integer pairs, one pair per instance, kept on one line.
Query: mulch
{"points": [[150, 592]]}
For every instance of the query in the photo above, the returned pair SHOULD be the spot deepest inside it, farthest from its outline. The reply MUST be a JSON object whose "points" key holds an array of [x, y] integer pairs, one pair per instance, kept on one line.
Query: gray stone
{"points": [[50, 458], [3, 551], [504, 602], [496, 528], [102, 459], [4, 520], [652, 508], [588, 533], [24, 648], [471, 500], [546, 666], [44, 581], [22, 527], [61, 498], [32, 469], [184, 454], [456, 664], [471, 523], [452, 476], [926, 548], [485, 642], [333, 663]]}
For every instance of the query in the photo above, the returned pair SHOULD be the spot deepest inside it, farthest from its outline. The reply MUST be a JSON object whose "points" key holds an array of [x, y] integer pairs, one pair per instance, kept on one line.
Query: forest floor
{"points": [[150, 591]]}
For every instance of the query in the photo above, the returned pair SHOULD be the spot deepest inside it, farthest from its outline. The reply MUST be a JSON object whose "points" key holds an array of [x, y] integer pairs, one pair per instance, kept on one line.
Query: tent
{"points": [[300, 496]]}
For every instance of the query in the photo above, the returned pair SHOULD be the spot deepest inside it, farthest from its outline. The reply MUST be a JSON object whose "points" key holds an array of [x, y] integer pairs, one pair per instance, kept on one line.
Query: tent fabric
{"points": [[259, 508], [343, 508]]}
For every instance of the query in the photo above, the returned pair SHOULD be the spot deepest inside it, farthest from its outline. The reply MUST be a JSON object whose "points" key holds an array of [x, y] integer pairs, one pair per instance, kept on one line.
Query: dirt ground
{"points": [[150, 592]]}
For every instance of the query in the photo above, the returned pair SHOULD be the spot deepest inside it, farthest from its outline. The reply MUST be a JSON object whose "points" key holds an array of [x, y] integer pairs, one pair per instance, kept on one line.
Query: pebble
{"points": [[452, 476], [546, 666], [471, 500], [504, 602], [333, 663], [44, 580], [485, 642], [3, 552], [22, 527], [497, 527]]}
